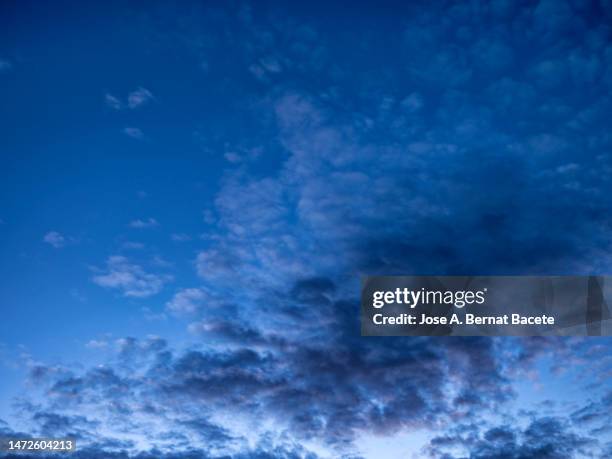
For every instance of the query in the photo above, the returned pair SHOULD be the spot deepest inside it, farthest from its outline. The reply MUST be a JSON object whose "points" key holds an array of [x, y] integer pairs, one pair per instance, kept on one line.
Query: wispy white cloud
{"points": [[134, 132], [160, 261], [238, 155], [147, 223], [139, 97], [55, 239], [412, 103], [131, 279], [96, 344], [151, 315], [265, 67], [233, 157], [113, 102], [186, 301], [135, 99]]}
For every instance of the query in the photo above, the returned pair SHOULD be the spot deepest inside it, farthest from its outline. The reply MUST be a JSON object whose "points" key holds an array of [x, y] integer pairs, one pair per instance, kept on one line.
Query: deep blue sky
{"points": [[189, 194]]}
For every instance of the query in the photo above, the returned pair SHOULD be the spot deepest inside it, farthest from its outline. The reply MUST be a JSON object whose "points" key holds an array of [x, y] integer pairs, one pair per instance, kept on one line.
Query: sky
{"points": [[190, 193]]}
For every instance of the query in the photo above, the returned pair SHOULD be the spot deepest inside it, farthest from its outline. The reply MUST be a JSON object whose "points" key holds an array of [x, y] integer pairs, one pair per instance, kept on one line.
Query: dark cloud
{"points": [[549, 438], [327, 391], [53, 425], [594, 416]]}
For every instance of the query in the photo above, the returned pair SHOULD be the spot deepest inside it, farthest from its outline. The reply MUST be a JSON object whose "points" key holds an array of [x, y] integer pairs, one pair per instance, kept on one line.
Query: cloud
{"points": [[134, 132], [131, 279], [311, 392], [595, 414], [139, 97], [314, 393], [233, 157], [143, 224], [135, 99], [468, 154], [407, 183], [415, 173], [55, 425], [55, 239], [113, 102], [186, 301], [549, 437], [96, 344]]}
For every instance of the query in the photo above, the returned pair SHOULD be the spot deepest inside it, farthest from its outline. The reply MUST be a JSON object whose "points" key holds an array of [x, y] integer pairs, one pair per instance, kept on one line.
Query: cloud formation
{"points": [[439, 144], [55, 239], [143, 224], [186, 301], [139, 97], [135, 99], [546, 437], [134, 132], [213, 399], [129, 278]]}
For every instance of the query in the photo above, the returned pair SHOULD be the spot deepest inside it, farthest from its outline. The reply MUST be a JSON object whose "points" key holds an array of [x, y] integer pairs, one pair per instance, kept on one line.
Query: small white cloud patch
{"points": [[96, 344], [139, 97], [55, 239], [134, 133], [113, 102], [147, 223], [131, 279], [186, 301], [135, 99]]}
